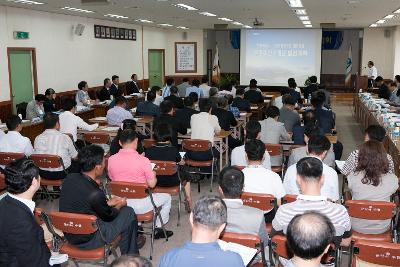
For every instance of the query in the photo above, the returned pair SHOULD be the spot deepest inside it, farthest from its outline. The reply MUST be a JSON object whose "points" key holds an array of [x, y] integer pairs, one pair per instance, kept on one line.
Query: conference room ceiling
{"points": [[273, 13]]}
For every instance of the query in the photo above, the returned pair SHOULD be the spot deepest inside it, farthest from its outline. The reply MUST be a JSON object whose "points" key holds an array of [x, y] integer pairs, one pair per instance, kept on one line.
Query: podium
{"points": [[361, 83]]}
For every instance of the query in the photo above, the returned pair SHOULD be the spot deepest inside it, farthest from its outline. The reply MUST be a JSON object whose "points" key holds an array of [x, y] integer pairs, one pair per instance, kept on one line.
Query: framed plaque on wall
{"points": [[185, 57]]}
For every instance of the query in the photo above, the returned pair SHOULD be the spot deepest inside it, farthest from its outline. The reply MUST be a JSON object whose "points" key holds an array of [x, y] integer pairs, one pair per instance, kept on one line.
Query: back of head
{"points": [[89, 157], [311, 129], [82, 85], [151, 95], [174, 90], [131, 261], [19, 175], [379, 79], [68, 104], [313, 79], [133, 76], [49, 91], [205, 105], [166, 106], [253, 128], [170, 81], [196, 83], [185, 80], [318, 98], [204, 79], [155, 88], [272, 112], [40, 98], [255, 149], [292, 84], [127, 136], [375, 132], [397, 78], [309, 234], [163, 132], [318, 144], [222, 102], [50, 120], [239, 91], [209, 212], [253, 83], [288, 100], [370, 63], [309, 117], [13, 122], [231, 182], [229, 98], [309, 169], [194, 96], [188, 101], [120, 100], [285, 91], [214, 91], [291, 80], [128, 124]]}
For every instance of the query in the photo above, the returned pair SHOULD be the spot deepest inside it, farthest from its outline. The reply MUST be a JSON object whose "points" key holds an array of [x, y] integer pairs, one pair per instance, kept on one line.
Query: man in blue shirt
{"points": [[208, 220], [195, 88], [166, 90]]}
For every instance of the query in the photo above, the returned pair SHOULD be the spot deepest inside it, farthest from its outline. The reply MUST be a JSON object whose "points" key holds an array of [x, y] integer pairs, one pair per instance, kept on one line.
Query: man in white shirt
{"points": [[117, 114], [318, 147], [238, 156], [13, 141], [52, 142], [372, 74], [159, 97], [69, 122], [205, 87]]}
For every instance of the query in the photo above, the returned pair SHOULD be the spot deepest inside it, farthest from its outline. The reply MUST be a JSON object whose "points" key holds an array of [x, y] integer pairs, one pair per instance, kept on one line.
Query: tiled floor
{"points": [[349, 133]]}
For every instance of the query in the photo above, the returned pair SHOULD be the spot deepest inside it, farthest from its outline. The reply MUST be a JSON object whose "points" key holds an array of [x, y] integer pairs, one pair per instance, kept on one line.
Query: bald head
{"points": [[309, 235]]}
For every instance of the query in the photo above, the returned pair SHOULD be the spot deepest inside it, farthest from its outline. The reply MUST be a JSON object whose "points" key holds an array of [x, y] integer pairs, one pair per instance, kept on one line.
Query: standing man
{"points": [[372, 74]]}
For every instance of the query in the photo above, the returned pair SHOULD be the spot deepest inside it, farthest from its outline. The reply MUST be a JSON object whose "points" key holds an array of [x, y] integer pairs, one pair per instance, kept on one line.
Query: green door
{"points": [[156, 68], [21, 77]]}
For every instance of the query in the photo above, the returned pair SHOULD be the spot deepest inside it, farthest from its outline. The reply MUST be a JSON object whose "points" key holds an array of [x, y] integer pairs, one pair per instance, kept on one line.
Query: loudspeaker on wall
{"points": [[79, 28]]}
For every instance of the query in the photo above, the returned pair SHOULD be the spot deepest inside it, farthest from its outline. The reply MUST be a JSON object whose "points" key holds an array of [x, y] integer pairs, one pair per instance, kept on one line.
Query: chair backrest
{"points": [[376, 252], [21, 109], [371, 210], [8, 157], [264, 202], [248, 240], [73, 223], [278, 246], [97, 138], [2, 181], [147, 143], [196, 145], [274, 149], [165, 167], [240, 167], [47, 161], [128, 190], [288, 199]]}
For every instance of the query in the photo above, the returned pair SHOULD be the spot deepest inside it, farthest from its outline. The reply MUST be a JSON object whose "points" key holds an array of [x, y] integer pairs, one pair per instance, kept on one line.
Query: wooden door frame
{"points": [[34, 69], [148, 62]]}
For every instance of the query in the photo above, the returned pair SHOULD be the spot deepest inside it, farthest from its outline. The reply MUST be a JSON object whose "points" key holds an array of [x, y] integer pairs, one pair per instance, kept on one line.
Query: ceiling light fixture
{"points": [[182, 27], [208, 14], [389, 16], [397, 11], [381, 21], [165, 25], [187, 7], [77, 9], [373, 25], [237, 23], [225, 19], [26, 2], [306, 22], [247, 27], [116, 16], [308, 26], [294, 3], [144, 20], [304, 18], [300, 11]]}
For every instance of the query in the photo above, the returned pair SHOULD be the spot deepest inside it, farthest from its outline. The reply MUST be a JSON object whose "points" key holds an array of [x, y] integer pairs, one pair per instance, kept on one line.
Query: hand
{"points": [[116, 201]]}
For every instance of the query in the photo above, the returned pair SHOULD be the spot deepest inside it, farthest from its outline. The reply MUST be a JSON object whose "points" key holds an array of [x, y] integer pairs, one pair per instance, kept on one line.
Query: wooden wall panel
{"points": [[5, 110]]}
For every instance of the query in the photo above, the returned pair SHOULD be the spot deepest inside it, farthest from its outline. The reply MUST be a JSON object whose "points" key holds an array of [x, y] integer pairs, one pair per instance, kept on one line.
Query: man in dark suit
{"points": [[253, 95], [325, 118], [311, 88], [384, 91], [115, 91], [22, 239], [174, 98], [148, 108], [104, 93], [292, 91], [166, 117], [132, 86], [184, 114], [239, 101]]}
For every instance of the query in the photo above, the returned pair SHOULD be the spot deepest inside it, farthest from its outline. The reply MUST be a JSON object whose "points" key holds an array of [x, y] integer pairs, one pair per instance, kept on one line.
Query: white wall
{"points": [[64, 59], [396, 56]]}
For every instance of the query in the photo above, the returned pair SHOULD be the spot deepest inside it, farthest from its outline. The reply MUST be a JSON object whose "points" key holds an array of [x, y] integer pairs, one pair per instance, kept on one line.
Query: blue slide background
{"points": [[271, 56]]}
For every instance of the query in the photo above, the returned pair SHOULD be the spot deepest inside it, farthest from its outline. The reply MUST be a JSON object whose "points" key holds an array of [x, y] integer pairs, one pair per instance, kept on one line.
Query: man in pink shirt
{"points": [[129, 166]]}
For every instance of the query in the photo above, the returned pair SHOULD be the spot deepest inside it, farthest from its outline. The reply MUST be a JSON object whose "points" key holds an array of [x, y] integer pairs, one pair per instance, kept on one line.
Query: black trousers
{"points": [[125, 225], [59, 175], [338, 150], [370, 83]]}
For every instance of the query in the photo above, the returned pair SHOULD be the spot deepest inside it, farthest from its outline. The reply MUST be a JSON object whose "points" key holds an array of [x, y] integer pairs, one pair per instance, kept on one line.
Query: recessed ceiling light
{"points": [[237, 23], [225, 19], [182, 27], [304, 18], [165, 25], [300, 12], [373, 25], [187, 7], [389, 16], [381, 21], [144, 20], [294, 3], [77, 9], [306, 22], [26, 2], [247, 27], [308, 26], [116, 16], [208, 14], [397, 11]]}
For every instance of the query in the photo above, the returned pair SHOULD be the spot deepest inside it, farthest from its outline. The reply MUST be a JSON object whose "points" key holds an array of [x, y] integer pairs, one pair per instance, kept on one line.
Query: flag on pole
{"points": [[349, 67], [216, 74]]}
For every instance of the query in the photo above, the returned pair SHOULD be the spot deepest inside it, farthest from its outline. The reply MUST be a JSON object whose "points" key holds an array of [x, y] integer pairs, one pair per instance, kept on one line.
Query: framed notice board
{"points": [[185, 57]]}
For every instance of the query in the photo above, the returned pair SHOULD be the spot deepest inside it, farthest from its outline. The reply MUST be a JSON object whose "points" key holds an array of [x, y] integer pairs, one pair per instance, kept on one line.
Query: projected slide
{"points": [[271, 56]]}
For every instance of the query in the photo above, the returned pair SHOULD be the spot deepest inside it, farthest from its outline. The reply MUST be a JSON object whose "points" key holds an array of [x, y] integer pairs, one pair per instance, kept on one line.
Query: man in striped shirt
{"points": [[310, 180]]}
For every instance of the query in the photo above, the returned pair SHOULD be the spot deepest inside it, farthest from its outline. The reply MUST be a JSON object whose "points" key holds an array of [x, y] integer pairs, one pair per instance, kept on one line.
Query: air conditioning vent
{"points": [[95, 2]]}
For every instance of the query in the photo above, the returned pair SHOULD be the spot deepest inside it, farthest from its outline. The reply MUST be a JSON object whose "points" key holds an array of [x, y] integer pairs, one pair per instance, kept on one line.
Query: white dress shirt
{"points": [[69, 124], [330, 188], [258, 179], [238, 158], [372, 72], [29, 203], [14, 142], [204, 126]]}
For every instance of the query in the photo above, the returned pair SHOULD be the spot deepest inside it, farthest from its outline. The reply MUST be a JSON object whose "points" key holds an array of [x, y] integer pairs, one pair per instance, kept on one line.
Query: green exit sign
{"points": [[21, 35]]}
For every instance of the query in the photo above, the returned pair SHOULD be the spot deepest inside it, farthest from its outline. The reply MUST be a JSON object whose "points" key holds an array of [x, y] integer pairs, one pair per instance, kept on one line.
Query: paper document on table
{"points": [[340, 164], [246, 253], [182, 154], [100, 118], [110, 129]]}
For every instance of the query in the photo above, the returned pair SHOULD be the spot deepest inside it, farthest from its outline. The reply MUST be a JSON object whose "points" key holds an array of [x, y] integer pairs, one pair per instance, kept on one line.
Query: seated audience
{"points": [[231, 183], [310, 121], [252, 83], [253, 95], [183, 86], [205, 87], [115, 90], [82, 97], [195, 88], [292, 80], [148, 108], [273, 131], [166, 90], [81, 193], [104, 93], [311, 88], [293, 91], [257, 179], [239, 101], [22, 239], [132, 87], [226, 120], [309, 237], [395, 93], [301, 152], [327, 102], [372, 180], [384, 91], [317, 147], [224, 90], [325, 118], [238, 155], [195, 98], [129, 166], [131, 261], [373, 132], [166, 117], [127, 124], [288, 114], [35, 108], [184, 115], [69, 122], [13, 141], [174, 98], [49, 104], [234, 110], [53, 142], [278, 101], [119, 113], [310, 180], [214, 96], [159, 98], [208, 220]]}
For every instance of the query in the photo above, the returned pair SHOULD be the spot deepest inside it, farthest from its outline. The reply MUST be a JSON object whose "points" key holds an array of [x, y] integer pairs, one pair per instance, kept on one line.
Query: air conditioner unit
{"points": [[95, 2]]}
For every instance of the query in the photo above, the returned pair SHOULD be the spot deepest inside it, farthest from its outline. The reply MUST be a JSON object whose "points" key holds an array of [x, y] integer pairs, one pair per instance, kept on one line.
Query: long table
{"points": [[367, 117]]}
